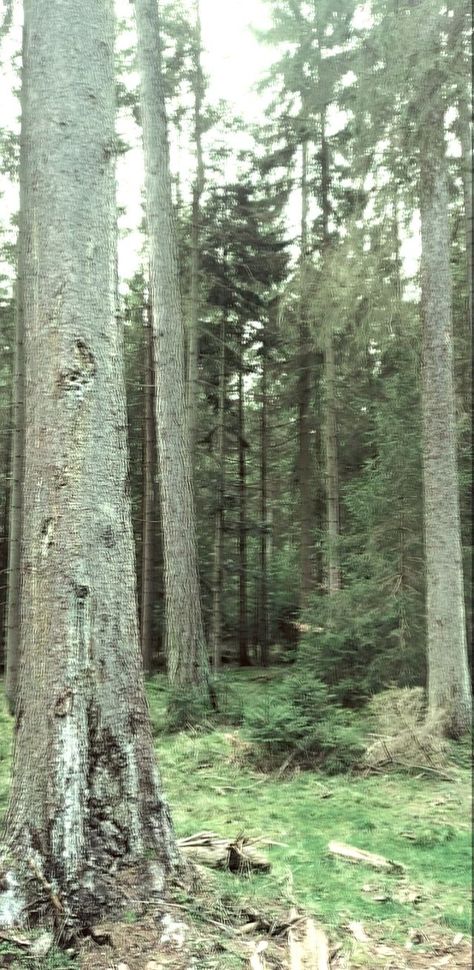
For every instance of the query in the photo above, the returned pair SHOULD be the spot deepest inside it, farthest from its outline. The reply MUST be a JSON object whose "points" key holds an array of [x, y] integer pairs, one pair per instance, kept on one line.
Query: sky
{"points": [[233, 60]]}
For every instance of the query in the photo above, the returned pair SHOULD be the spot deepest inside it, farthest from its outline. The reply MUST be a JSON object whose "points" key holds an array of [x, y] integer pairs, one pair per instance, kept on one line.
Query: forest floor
{"points": [[418, 917]]}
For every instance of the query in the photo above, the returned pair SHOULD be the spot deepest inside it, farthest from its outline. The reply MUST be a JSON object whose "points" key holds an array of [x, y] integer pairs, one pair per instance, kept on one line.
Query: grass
{"points": [[422, 822]]}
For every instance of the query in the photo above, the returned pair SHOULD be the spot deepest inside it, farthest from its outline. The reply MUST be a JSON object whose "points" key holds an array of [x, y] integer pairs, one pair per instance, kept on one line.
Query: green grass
{"points": [[422, 822]]}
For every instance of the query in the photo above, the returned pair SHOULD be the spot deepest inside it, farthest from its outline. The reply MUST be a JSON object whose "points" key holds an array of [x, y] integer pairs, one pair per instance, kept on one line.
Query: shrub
{"points": [[301, 725]]}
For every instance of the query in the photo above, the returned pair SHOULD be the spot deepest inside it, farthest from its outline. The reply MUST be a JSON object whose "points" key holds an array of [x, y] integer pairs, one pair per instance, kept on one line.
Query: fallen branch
{"points": [[19, 941], [351, 854], [237, 855], [312, 951]]}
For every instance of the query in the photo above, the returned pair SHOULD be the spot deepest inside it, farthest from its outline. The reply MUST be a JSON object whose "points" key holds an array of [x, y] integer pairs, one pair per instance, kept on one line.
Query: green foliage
{"points": [[303, 726]]}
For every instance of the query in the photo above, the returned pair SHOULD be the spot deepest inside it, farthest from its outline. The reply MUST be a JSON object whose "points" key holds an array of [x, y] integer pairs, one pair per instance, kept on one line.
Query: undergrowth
{"points": [[422, 822]]}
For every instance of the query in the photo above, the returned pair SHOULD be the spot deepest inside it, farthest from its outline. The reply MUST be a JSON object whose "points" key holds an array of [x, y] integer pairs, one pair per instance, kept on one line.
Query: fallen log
{"points": [[237, 855], [309, 950], [351, 854]]}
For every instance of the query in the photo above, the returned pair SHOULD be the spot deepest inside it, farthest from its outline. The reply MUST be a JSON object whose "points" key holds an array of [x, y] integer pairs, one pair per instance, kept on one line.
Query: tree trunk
{"points": [[186, 648], [332, 470], [198, 187], [263, 637], [17, 457], [244, 660], [86, 811], [448, 677], [149, 503], [218, 566], [304, 402], [465, 136]]}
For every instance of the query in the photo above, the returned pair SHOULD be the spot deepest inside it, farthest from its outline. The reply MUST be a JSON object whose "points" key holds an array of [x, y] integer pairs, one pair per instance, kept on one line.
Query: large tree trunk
{"points": [[448, 679], [86, 805], [198, 187], [16, 461], [186, 648], [149, 504], [304, 402], [243, 609], [218, 563]]}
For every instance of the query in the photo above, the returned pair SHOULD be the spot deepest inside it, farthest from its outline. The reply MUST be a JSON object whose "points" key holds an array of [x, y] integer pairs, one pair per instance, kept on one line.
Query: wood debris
{"points": [[358, 932], [238, 855], [308, 949], [351, 854]]}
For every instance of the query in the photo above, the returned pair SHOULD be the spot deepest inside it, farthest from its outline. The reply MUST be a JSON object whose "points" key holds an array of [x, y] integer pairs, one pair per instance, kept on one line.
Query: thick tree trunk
{"points": [[465, 135], [198, 188], [186, 649], [448, 678], [86, 804], [149, 504], [218, 564], [16, 461], [243, 608], [304, 403]]}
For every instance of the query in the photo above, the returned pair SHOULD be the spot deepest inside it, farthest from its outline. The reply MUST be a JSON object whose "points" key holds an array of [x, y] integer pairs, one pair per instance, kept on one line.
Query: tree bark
{"points": [[263, 633], [304, 401], [17, 451], [86, 810], [186, 648], [149, 504], [218, 565], [448, 675], [465, 137], [198, 188], [332, 469], [244, 660]]}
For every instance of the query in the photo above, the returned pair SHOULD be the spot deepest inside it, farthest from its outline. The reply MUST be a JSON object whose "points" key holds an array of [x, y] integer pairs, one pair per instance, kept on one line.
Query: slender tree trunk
{"points": [[244, 660], [4, 561], [448, 676], [198, 188], [304, 402], [148, 513], [86, 812], [218, 567], [332, 469], [186, 648], [263, 597]]}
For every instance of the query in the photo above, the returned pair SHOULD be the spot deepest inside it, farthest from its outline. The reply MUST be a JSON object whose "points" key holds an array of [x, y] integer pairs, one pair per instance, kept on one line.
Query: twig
{"points": [[47, 886]]}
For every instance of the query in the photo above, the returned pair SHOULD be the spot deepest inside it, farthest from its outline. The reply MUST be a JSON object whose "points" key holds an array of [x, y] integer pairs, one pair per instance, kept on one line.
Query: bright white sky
{"points": [[233, 60]]}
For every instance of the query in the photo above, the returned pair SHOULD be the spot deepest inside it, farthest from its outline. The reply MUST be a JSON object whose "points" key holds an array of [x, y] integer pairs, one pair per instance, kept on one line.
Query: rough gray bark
{"points": [[148, 511], [465, 137], [218, 563], [186, 649], [198, 188], [448, 675], [17, 450], [86, 806]]}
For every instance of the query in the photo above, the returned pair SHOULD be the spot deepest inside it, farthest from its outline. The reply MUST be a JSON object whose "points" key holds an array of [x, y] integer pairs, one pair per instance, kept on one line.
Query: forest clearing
{"points": [[418, 917], [235, 484]]}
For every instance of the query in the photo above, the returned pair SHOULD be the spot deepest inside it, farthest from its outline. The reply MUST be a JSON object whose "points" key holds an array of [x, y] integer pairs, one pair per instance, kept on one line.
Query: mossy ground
{"points": [[420, 821]]}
